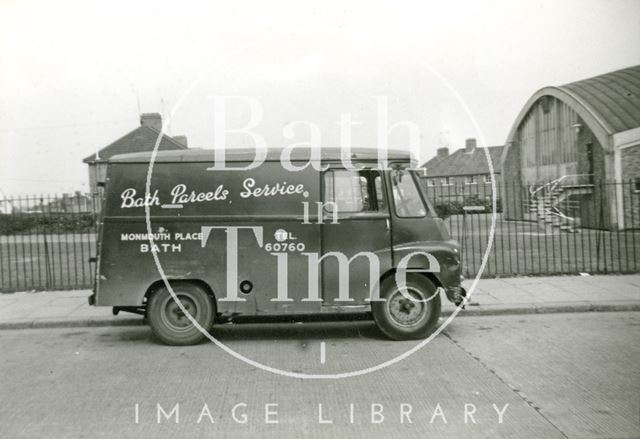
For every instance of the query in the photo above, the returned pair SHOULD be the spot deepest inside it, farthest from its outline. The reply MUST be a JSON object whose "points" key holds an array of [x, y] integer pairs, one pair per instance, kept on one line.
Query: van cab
{"points": [[309, 235]]}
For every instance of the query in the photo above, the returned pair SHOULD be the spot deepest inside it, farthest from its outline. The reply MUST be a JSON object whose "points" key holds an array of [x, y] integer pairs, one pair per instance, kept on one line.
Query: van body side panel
{"points": [[354, 234], [195, 210], [192, 211], [128, 268]]}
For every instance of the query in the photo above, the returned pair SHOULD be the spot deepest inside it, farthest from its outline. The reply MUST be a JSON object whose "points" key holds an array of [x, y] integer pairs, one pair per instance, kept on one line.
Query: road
{"points": [[543, 376]]}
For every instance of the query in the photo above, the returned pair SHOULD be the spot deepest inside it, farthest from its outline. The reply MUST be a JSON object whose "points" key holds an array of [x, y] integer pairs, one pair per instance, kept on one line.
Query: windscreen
{"points": [[406, 195]]}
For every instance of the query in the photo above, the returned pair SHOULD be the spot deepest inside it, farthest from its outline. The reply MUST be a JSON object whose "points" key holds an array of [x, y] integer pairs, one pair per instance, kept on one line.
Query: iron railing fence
{"points": [[46, 241], [572, 228]]}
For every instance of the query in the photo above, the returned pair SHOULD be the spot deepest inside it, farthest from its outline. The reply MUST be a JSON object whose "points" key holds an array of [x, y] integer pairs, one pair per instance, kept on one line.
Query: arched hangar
{"points": [[579, 143]]}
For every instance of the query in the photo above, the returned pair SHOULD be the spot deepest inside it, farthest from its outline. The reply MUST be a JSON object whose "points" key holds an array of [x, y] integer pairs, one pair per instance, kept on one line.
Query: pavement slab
{"points": [[521, 295], [558, 367]]}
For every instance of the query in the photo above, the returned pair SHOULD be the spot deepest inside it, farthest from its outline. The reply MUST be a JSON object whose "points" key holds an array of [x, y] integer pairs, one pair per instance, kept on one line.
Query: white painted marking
{"points": [[322, 352], [172, 206]]}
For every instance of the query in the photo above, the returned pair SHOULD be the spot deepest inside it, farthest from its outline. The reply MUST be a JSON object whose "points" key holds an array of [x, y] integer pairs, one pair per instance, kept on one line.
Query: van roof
{"points": [[248, 154]]}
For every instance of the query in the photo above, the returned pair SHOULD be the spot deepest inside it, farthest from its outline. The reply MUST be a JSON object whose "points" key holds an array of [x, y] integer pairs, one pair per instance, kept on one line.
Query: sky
{"points": [[75, 75]]}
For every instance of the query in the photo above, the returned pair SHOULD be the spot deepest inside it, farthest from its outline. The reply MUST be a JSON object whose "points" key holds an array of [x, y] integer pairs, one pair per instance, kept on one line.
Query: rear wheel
{"points": [[170, 324], [409, 316]]}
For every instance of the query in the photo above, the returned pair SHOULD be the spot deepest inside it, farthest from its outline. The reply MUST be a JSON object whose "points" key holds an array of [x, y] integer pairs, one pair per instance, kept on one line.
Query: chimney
{"points": [[182, 140], [443, 152], [469, 145], [151, 120]]}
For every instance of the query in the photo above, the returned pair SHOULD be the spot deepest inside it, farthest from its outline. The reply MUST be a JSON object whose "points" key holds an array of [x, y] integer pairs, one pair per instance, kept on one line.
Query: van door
{"points": [[412, 221], [355, 220]]}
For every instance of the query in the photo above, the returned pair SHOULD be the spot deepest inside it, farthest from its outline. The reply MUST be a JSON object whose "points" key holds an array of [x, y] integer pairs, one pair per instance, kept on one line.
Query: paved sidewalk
{"points": [[522, 295]]}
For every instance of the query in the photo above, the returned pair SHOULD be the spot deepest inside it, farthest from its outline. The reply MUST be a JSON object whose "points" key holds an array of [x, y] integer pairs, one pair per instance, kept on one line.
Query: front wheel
{"points": [[409, 316], [170, 324]]}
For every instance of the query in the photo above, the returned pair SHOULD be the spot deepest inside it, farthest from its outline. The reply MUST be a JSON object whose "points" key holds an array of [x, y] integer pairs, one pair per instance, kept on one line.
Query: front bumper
{"points": [[456, 294]]}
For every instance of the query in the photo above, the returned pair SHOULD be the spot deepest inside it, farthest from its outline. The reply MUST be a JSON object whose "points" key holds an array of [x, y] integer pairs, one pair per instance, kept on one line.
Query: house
{"points": [[141, 139], [576, 148], [463, 174]]}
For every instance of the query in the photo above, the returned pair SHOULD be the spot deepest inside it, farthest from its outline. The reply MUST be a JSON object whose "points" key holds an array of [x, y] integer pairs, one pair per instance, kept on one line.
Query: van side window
{"points": [[345, 190], [405, 195], [353, 191]]}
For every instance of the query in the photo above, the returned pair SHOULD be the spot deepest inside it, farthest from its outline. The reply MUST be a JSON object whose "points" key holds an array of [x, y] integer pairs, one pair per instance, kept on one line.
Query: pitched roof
{"points": [[614, 97], [462, 163], [141, 139]]}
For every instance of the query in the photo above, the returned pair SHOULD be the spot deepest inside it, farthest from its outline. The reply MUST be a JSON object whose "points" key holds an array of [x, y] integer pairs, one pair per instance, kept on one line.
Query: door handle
{"points": [[388, 224]]}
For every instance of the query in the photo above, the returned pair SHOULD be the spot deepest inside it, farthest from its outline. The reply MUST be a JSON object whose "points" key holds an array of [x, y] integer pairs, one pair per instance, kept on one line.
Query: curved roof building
{"points": [[583, 133]]}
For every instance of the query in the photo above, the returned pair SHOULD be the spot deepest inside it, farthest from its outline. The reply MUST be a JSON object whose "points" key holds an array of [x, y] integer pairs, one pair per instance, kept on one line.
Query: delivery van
{"points": [[298, 233]]}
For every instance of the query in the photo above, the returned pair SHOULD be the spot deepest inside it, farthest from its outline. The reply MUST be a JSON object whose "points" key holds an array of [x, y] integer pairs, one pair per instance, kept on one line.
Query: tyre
{"points": [[407, 318], [169, 324]]}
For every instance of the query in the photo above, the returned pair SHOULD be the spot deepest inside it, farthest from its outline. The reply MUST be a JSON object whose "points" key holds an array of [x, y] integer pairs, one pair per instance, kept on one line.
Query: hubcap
{"points": [[404, 311], [173, 315]]}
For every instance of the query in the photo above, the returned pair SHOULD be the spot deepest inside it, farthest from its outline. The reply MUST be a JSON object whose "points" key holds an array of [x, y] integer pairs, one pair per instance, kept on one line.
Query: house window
{"points": [[446, 181], [470, 179], [636, 184], [488, 179], [431, 182]]}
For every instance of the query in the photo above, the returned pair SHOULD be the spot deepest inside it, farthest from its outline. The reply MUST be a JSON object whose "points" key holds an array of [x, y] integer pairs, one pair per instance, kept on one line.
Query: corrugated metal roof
{"points": [[462, 163], [614, 97]]}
